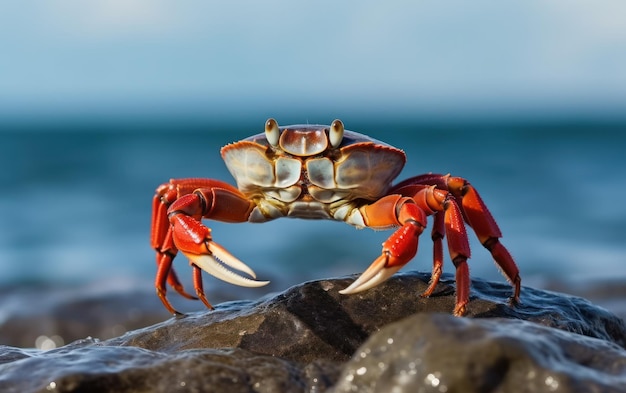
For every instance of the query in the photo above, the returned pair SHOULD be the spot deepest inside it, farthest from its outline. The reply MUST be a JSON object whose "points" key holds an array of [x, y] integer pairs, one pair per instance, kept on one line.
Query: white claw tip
{"points": [[217, 264], [376, 274]]}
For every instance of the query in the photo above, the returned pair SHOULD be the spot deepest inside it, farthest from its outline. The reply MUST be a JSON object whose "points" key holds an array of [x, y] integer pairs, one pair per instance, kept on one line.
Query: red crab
{"points": [[318, 171]]}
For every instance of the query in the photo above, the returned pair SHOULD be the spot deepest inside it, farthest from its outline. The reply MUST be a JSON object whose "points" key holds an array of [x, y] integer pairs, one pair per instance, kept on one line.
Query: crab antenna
{"points": [[272, 132], [336, 133]]}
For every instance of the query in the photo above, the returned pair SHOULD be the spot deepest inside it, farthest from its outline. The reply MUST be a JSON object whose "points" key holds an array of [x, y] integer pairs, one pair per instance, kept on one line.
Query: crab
{"points": [[322, 172]]}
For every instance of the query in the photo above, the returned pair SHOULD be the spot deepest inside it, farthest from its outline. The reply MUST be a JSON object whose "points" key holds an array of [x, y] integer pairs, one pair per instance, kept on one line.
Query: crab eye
{"points": [[272, 132], [336, 133]]}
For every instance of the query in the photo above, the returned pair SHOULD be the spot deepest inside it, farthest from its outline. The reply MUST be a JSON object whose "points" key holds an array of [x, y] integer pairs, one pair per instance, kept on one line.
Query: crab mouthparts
{"points": [[218, 264]]}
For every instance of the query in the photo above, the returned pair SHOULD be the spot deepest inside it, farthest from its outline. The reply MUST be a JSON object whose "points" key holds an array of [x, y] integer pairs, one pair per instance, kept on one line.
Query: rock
{"points": [[315, 321], [302, 339], [441, 353], [91, 366], [44, 317], [607, 293], [47, 317]]}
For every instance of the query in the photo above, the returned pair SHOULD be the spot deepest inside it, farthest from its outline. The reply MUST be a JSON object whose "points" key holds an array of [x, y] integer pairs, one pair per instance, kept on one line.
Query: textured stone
{"points": [[89, 366], [69, 314], [312, 320], [302, 339], [440, 353]]}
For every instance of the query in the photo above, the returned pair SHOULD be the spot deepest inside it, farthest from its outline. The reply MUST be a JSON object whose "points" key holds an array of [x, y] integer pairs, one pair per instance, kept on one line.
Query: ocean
{"points": [[76, 199]]}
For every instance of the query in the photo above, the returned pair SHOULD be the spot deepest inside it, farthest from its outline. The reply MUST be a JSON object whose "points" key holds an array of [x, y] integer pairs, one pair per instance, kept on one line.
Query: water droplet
{"points": [[327, 285], [432, 379], [361, 371], [51, 386], [46, 343], [552, 383]]}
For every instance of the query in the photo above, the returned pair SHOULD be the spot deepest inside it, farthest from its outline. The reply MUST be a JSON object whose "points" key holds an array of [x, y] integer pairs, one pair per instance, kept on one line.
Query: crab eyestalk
{"points": [[272, 132], [335, 134]]}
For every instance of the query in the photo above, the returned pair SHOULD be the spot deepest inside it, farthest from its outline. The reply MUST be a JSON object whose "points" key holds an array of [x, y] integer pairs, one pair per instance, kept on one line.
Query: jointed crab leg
{"points": [[161, 239], [177, 210], [476, 214], [486, 229], [322, 172], [401, 246], [437, 235]]}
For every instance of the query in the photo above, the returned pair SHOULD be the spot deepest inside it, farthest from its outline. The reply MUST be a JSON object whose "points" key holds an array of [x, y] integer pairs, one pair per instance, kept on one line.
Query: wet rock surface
{"points": [[482, 355], [310, 338], [49, 317]]}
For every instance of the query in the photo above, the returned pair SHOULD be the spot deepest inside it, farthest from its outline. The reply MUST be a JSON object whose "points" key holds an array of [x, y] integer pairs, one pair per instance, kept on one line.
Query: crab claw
{"points": [[398, 250], [217, 264], [377, 273]]}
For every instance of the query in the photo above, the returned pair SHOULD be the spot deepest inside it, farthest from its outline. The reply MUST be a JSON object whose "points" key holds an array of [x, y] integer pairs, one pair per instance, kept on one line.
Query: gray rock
{"points": [[302, 339], [315, 321], [90, 366], [440, 353], [63, 315]]}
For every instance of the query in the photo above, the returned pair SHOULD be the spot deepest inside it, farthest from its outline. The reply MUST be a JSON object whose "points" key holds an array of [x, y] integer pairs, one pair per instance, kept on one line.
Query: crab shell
{"points": [[312, 171]]}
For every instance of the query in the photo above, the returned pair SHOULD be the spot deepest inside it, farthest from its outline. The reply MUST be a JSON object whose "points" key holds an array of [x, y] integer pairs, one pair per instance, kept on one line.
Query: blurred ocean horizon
{"points": [[76, 201], [101, 102]]}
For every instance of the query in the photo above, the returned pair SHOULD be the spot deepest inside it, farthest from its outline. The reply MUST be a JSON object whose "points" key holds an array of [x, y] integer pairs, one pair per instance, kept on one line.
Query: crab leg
{"points": [[178, 208], [480, 219], [161, 236], [476, 214], [438, 233], [401, 246]]}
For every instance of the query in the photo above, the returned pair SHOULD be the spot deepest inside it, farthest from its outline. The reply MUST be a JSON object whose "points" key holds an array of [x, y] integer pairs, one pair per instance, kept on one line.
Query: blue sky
{"points": [[427, 58]]}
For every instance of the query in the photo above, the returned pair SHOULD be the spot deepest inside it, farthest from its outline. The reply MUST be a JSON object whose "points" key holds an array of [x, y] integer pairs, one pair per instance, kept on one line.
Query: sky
{"points": [[72, 58]]}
